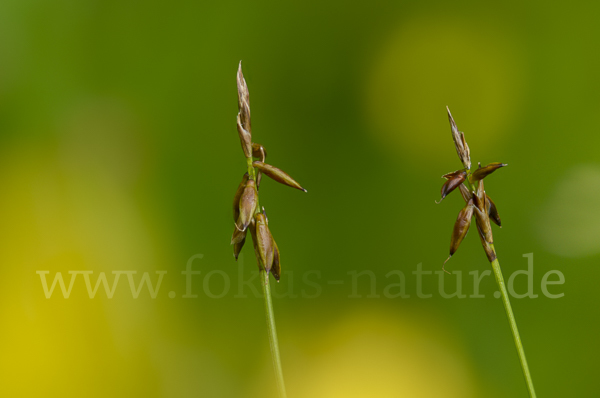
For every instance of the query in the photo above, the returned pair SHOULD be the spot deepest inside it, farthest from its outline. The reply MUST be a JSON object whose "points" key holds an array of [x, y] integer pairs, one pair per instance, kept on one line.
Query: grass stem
{"points": [[264, 281], [513, 326]]}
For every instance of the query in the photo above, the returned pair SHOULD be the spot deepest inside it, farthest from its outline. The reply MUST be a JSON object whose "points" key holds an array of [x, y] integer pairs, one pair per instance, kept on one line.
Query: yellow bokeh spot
{"points": [[68, 206], [373, 352]]}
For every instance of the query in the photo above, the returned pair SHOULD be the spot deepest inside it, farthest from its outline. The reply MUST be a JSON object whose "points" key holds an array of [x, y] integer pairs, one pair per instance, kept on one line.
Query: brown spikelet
{"points": [[483, 172], [278, 175], [276, 270], [238, 196], [493, 211], [462, 149], [248, 203], [239, 242], [264, 242], [454, 180], [481, 214], [460, 230], [243, 118], [461, 227]]}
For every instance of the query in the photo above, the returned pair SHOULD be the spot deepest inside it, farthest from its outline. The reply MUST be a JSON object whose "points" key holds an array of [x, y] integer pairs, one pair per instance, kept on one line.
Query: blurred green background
{"points": [[118, 151]]}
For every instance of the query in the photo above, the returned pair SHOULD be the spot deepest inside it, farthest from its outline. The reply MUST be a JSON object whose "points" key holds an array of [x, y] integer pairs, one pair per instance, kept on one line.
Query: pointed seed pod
{"points": [[243, 98], [461, 227], [245, 137], [252, 228], [264, 242], [278, 175], [462, 149], [239, 244], [247, 205], [454, 180], [243, 118], [481, 216], [238, 235], [493, 211], [480, 194], [483, 172], [276, 270], [237, 197]]}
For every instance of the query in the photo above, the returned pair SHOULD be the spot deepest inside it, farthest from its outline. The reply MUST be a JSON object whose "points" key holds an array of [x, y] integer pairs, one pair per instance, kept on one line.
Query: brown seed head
{"points": [[243, 118], [462, 149], [237, 240], [461, 226], [248, 203], [493, 211], [237, 248], [238, 196], [454, 180], [483, 172], [238, 235], [277, 174], [276, 270], [264, 242], [481, 215]]}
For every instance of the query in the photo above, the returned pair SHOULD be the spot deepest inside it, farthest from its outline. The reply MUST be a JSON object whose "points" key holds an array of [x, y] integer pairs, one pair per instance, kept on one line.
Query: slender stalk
{"points": [[272, 333], [474, 180], [272, 329], [513, 326]]}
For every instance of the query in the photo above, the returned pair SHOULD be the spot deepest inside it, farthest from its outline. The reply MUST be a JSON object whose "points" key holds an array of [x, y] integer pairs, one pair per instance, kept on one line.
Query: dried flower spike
{"points": [[482, 207], [246, 211], [462, 149], [247, 216], [479, 204], [243, 117]]}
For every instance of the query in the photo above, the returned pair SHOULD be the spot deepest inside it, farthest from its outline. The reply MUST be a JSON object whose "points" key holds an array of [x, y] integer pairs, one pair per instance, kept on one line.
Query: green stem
{"points": [[272, 333], [513, 325], [266, 288]]}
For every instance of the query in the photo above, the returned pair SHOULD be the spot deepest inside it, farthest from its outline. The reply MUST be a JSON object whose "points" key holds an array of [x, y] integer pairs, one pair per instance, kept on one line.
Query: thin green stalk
{"points": [[272, 333], [513, 326], [272, 329]]}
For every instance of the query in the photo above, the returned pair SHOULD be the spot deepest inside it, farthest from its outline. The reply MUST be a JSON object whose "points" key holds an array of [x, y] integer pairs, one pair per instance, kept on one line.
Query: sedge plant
{"points": [[249, 215], [479, 204]]}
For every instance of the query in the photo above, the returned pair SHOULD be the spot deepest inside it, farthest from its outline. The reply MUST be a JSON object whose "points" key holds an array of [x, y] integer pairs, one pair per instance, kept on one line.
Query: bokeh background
{"points": [[118, 151]]}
